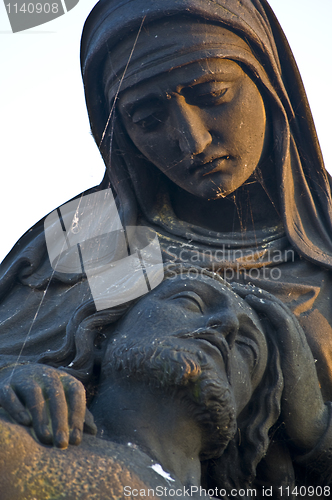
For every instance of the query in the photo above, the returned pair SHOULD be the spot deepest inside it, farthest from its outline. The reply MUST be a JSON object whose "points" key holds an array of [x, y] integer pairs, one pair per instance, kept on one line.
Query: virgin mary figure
{"points": [[200, 114]]}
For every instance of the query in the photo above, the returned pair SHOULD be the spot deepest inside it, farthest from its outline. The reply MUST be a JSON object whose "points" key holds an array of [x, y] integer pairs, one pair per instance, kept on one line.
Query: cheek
{"points": [[241, 381], [253, 125], [245, 123], [255, 120], [155, 147]]}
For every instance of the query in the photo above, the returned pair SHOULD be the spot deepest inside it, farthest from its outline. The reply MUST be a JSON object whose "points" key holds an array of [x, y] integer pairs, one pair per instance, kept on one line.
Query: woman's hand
{"points": [[50, 400], [303, 410]]}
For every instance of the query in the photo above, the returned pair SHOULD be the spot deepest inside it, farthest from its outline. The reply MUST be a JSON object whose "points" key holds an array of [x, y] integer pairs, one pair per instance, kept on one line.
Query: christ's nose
{"points": [[226, 323], [189, 128]]}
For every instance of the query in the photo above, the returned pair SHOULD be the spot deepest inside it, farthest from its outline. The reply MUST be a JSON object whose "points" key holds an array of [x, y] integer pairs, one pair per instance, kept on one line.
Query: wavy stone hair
{"points": [[236, 468], [88, 330]]}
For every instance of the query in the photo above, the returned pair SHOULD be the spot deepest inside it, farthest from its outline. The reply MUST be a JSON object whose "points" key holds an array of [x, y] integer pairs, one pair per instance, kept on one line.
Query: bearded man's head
{"points": [[194, 338]]}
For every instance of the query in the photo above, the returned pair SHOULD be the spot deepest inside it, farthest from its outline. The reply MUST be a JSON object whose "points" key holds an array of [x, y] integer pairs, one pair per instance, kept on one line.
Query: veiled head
{"points": [[202, 125], [115, 57], [189, 109]]}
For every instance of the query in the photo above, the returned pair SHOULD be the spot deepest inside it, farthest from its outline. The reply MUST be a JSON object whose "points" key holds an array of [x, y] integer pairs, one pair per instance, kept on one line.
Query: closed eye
{"points": [[190, 300], [207, 94], [249, 350], [149, 122], [148, 115]]}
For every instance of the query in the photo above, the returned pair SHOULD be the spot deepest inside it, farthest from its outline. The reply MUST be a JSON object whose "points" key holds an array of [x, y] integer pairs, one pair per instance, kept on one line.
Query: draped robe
{"points": [[293, 260]]}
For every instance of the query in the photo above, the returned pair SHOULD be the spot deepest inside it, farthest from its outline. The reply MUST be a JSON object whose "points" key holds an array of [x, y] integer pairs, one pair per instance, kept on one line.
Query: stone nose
{"points": [[189, 127], [226, 323]]}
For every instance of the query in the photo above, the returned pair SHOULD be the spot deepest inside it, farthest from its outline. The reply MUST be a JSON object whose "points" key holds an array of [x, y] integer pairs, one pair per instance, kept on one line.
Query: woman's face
{"points": [[203, 125]]}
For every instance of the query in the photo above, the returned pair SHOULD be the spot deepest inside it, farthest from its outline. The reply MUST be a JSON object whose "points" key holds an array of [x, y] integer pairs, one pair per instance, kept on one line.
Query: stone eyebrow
{"points": [[132, 104]]}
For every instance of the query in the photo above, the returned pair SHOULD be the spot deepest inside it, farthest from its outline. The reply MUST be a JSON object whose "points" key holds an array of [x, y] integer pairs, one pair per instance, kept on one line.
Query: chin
{"points": [[213, 191]]}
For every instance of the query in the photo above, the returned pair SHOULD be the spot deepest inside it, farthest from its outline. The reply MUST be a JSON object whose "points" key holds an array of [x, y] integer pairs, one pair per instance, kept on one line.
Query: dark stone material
{"points": [[191, 376], [200, 114]]}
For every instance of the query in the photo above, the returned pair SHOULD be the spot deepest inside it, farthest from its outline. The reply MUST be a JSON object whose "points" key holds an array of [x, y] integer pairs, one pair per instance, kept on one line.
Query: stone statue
{"points": [[203, 381], [200, 114]]}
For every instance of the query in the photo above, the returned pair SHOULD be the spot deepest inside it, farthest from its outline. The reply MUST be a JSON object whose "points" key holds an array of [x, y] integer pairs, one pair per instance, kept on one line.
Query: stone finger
{"points": [[12, 405], [89, 424], [35, 402], [59, 413], [76, 401]]}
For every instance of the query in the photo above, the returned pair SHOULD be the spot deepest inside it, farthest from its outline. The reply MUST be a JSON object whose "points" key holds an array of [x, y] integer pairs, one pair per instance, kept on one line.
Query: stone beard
{"points": [[179, 367]]}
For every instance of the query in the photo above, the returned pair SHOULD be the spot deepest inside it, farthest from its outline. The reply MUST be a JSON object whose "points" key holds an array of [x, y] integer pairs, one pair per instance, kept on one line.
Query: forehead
{"points": [[165, 311], [215, 295], [211, 69], [199, 282], [218, 298], [159, 312]]}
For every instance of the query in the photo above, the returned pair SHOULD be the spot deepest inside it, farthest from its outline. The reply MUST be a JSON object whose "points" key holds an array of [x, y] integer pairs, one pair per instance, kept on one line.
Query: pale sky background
{"points": [[47, 152]]}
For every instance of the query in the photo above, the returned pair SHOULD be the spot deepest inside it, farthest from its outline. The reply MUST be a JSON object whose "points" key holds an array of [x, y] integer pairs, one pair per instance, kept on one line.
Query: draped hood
{"points": [[113, 59], [41, 310]]}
